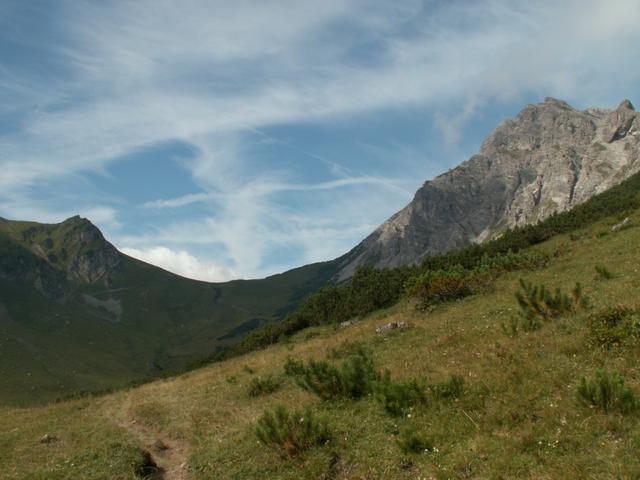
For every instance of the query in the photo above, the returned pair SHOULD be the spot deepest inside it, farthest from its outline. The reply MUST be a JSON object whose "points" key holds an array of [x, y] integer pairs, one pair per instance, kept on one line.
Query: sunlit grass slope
{"points": [[519, 415]]}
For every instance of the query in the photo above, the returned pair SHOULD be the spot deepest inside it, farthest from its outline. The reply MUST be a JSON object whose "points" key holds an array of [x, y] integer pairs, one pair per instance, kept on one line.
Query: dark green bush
{"points": [[613, 326], [398, 398], [538, 303], [322, 379], [353, 379], [358, 375], [263, 386], [290, 433], [607, 392], [411, 441], [437, 286]]}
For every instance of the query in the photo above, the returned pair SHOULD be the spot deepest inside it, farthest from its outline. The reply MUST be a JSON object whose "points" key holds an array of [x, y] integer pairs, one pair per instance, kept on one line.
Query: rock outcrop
{"points": [[95, 257], [547, 159], [50, 256]]}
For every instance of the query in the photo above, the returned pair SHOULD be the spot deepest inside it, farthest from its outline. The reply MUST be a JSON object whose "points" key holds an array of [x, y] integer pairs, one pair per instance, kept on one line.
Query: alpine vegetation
{"points": [[291, 432]]}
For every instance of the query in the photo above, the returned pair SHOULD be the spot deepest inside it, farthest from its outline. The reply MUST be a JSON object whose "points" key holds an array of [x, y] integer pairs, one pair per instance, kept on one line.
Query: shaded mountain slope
{"points": [[76, 314]]}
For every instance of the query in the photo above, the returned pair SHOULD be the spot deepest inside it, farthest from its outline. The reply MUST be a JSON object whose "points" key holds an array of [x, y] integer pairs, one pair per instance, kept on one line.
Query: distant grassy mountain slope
{"points": [[519, 414], [77, 315]]}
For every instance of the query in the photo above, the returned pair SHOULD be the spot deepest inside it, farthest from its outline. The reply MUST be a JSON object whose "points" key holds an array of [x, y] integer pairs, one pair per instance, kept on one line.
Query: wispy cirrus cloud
{"points": [[265, 188], [109, 81]]}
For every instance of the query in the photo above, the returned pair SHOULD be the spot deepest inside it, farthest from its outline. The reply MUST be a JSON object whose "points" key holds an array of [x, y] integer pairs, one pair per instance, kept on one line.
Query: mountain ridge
{"points": [[78, 315], [547, 159]]}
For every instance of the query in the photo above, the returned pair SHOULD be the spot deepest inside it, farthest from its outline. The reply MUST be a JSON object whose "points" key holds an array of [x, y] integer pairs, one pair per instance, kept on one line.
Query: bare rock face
{"points": [[94, 256], [547, 159]]}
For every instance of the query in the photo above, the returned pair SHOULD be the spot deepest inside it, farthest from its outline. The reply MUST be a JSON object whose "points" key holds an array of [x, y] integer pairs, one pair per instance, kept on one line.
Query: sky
{"points": [[223, 140]]}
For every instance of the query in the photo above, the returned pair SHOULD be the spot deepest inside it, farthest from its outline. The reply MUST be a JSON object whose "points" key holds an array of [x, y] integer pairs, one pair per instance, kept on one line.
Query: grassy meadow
{"points": [[519, 415]]}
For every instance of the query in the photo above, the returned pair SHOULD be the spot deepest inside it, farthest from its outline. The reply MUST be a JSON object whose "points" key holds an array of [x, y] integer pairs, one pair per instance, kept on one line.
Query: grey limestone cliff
{"points": [[547, 159]]}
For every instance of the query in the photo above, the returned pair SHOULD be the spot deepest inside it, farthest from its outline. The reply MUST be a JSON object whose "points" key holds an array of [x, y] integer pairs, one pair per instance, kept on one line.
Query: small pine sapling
{"points": [[290, 433]]}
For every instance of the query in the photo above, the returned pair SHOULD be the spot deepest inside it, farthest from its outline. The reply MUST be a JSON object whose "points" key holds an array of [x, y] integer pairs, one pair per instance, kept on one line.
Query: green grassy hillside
{"points": [[62, 332], [519, 413]]}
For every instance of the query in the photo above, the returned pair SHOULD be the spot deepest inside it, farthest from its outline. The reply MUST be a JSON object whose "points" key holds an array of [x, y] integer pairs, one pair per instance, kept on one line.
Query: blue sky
{"points": [[238, 139]]}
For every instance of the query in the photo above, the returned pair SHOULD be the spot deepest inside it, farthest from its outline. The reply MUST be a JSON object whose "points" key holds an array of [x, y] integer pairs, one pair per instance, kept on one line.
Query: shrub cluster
{"points": [[290, 433], [355, 378], [432, 287], [537, 304], [607, 392], [370, 289], [438, 286], [398, 398]]}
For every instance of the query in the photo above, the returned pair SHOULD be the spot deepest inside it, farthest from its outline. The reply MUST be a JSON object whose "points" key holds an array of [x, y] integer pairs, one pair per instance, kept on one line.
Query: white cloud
{"points": [[150, 78], [266, 188], [204, 73], [182, 263], [451, 126]]}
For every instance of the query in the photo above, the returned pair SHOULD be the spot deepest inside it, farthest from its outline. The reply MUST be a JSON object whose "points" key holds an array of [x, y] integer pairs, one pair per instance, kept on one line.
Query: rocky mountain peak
{"points": [[556, 102], [626, 104], [89, 255], [619, 122], [546, 159], [73, 250]]}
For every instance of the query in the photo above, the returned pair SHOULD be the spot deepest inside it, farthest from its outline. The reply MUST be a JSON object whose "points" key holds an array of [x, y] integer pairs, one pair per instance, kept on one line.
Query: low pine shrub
{"points": [[358, 375], [613, 326], [322, 379], [290, 433], [538, 303], [607, 392], [411, 441], [263, 386], [398, 398], [353, 379], [453, 387]]}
